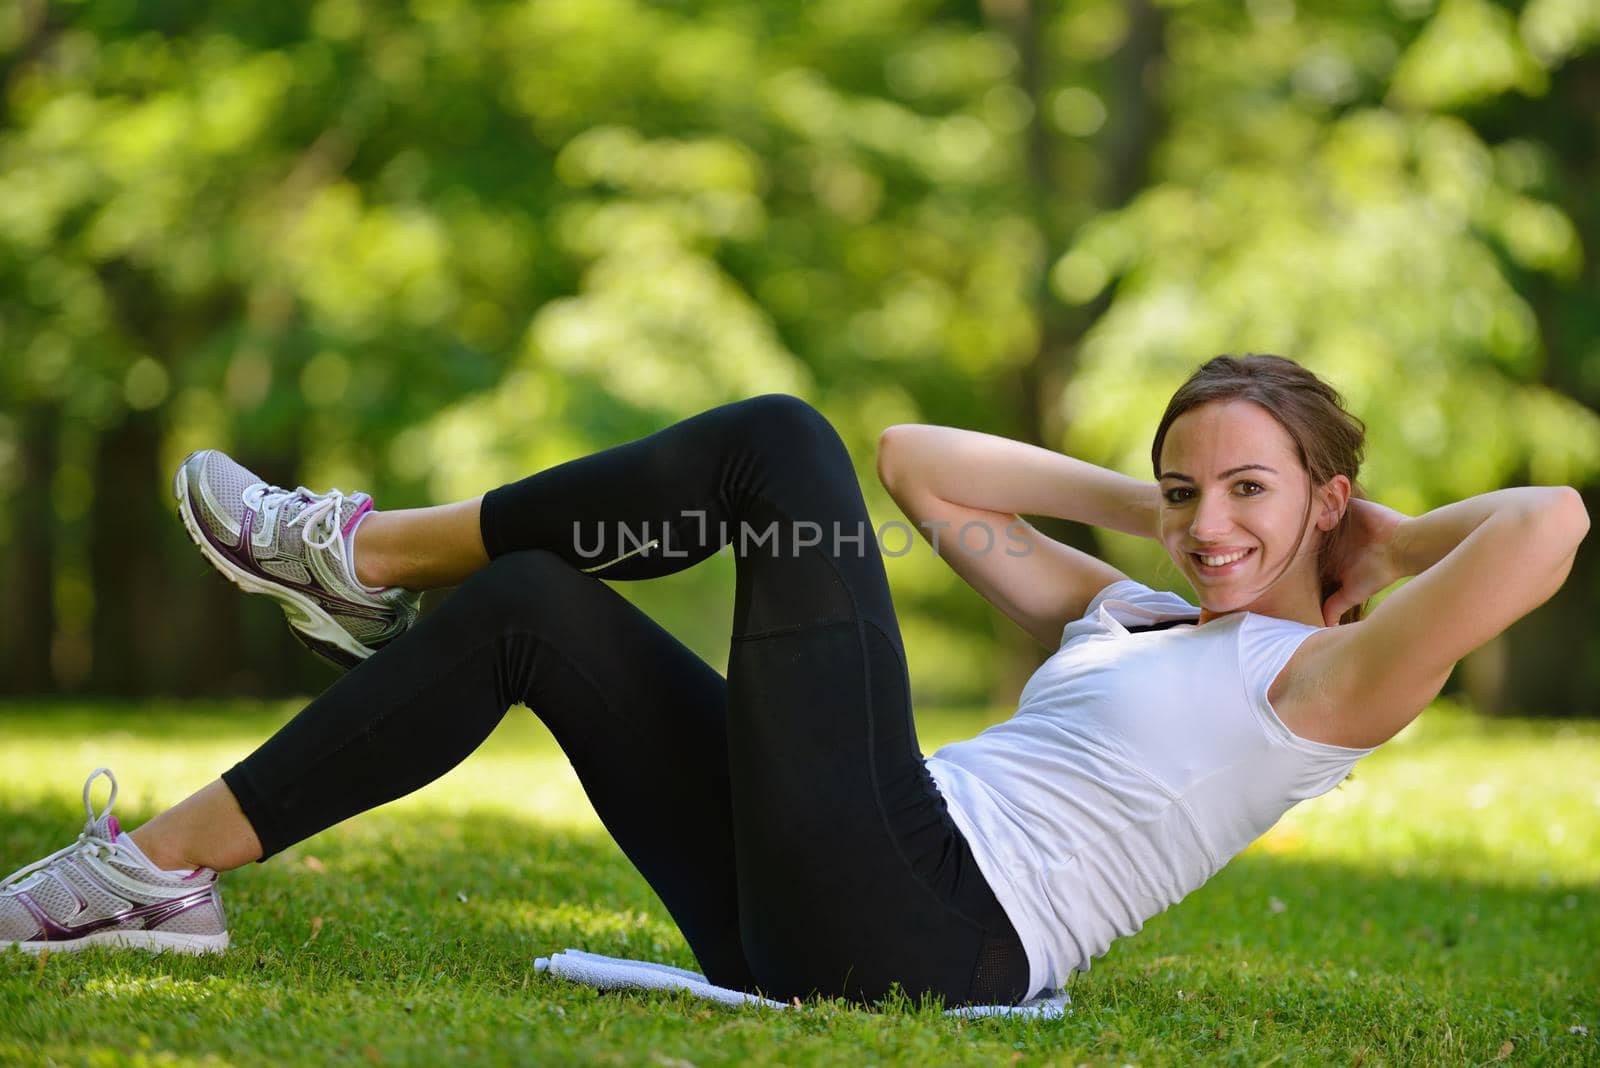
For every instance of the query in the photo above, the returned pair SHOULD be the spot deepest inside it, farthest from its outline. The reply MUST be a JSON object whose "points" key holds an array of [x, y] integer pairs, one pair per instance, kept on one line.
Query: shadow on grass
{"points": [[403, 932], [383, 894], [408, 936]]}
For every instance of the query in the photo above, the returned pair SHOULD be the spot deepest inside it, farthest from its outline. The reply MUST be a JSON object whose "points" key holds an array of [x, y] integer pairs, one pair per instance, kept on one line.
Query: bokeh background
{"points": [[423, 248]]}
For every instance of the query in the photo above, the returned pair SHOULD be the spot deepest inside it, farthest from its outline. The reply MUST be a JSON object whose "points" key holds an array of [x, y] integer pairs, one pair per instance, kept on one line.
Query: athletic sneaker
{"points": [[294, 546], [102, 890]]}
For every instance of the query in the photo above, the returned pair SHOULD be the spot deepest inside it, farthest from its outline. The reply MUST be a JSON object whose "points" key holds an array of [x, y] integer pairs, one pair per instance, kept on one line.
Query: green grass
{"points": [[1441, 907]]}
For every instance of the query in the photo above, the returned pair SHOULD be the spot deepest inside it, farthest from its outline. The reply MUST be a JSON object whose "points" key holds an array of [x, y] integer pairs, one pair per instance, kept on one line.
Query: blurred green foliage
{"points": [[425, 247]]}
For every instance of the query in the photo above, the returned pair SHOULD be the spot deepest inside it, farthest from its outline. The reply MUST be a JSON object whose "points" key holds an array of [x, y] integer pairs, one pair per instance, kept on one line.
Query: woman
{"points": [[785, 815]]}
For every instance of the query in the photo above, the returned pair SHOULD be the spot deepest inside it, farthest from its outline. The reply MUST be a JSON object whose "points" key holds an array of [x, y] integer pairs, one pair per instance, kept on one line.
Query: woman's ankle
{"points": [[419, 548], [371, 567], [161, 852], [206, 830]]}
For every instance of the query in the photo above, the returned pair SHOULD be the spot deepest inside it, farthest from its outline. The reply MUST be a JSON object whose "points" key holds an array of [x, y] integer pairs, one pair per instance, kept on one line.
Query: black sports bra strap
{"points": [[1162, 625]]}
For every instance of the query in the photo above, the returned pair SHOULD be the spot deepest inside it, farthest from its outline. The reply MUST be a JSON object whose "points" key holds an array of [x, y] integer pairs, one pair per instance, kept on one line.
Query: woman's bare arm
{"points": [[998, 474], [1480, 564], [950, 481], [1422, 541]]}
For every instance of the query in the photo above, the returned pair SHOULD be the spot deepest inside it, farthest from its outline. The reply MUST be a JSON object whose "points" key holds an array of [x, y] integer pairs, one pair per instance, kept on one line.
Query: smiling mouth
{"points": [[1220, 569]]}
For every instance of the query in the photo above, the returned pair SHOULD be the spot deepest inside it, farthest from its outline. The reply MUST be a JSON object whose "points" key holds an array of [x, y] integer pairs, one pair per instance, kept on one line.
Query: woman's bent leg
{"points": [[641, 718], [851, 874], [800, 841]]}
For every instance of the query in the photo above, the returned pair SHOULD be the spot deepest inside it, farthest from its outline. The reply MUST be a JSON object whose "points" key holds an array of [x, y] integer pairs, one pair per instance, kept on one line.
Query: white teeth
{"points": [[1218, 561]]}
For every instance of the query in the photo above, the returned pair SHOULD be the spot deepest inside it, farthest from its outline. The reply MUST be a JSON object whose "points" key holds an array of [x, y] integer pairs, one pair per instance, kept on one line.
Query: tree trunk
{"points": [[1130, 137], [1548, 662], [133, 620], [29, 595]]}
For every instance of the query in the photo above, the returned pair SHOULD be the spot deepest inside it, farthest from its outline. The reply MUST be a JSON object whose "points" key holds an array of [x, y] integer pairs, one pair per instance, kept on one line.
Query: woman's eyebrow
{"points": [[1225, 474]]}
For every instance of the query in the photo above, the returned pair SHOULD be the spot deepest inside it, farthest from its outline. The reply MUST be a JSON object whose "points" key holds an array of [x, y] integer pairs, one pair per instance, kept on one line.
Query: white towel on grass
{"points": [[614, 973]]}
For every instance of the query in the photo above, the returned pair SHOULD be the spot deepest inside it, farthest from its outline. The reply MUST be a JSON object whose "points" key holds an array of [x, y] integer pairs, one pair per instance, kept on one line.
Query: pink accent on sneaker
{"points": [[366, 506], [113, 826], [194, 874]]}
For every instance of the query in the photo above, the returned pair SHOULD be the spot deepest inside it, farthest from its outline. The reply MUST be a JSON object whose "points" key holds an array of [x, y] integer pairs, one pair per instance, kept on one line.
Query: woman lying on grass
{"points": [[785, 815]]}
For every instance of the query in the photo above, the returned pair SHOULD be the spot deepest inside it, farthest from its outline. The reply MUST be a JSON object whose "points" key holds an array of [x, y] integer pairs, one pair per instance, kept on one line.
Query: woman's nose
{"points": [[1211, 519]]}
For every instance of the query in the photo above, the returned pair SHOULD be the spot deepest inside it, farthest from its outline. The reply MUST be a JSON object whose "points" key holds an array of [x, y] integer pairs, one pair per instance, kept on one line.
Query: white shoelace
{"points": [[323, 507], [88, 841]]}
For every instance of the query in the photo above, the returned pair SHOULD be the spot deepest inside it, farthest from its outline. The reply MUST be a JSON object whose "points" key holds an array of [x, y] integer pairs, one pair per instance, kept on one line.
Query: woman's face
{"points": [[1232, 484]]}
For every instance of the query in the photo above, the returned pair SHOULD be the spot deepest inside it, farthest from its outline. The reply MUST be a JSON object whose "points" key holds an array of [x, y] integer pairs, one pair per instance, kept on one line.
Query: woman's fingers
{"points": [[1333, 608]]}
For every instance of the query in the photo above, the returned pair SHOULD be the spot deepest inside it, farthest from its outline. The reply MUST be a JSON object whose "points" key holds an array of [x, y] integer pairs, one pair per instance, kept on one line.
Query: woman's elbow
{"points": [[1567, 508], [892, 447]]}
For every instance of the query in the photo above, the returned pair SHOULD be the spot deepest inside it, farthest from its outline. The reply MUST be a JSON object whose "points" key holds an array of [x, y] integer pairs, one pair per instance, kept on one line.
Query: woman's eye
{"points": [[1178, 496]]}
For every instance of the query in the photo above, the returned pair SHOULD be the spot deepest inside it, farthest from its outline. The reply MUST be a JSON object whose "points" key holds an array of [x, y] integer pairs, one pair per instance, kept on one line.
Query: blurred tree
{"points": [[1345, 196], [425, 247]]}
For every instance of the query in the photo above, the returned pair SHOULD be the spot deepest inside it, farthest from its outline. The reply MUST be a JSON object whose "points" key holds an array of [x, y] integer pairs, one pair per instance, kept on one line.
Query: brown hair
{"points": [[1329, 440]]}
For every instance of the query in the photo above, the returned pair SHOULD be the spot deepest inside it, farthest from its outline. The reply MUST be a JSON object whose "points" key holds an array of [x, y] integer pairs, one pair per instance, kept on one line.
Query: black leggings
{"points": [[783, 815]]}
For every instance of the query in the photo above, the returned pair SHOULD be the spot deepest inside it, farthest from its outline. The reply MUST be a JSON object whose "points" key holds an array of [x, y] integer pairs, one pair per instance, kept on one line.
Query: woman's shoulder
{"points": [[1301, 693]]}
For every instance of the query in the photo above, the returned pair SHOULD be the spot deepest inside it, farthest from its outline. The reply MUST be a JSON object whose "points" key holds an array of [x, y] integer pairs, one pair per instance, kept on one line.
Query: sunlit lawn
{"points": [[1443, 906]]}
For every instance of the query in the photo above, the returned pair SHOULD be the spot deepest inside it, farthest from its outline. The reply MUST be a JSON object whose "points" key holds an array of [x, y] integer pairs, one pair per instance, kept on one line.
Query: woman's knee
{"points": [[514, 590], [790, 426], [781, 412]]}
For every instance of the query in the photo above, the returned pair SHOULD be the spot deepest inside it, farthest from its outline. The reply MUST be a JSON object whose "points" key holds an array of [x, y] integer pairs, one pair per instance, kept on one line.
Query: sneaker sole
{"points": [[316, 629], [158, 941]]}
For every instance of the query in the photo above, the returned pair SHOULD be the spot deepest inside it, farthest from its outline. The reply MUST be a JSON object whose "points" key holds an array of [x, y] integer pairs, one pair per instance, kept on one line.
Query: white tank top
{"points": [[1135, 767]]}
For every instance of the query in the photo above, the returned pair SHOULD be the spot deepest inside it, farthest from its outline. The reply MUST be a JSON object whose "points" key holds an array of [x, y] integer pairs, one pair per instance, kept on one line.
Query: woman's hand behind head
{"points": [[1368, 564]]}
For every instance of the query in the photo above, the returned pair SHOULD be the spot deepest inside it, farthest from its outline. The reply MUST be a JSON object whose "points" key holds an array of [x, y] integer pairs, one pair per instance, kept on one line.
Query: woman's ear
{"points": [[1335, 497]]}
